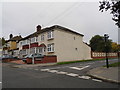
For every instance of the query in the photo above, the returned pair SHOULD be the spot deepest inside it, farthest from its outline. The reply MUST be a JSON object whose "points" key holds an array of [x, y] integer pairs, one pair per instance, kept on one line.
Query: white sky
{"points": [[83, 17]]}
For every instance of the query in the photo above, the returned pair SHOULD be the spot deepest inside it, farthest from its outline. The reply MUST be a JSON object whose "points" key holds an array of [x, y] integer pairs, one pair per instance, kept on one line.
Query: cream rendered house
{"points": [[66, 44]]}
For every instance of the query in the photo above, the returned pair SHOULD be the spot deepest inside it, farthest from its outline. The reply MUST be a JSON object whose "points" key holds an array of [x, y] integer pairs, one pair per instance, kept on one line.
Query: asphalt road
{"points": [[58, 76]]}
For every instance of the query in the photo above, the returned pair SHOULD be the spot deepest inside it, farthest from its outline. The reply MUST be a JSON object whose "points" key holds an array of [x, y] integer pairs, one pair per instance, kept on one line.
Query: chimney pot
{"points": [[38, 28], [11, 36]]}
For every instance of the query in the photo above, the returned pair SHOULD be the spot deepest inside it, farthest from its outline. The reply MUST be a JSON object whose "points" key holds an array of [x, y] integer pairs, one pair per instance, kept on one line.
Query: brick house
{"points": [[66, 44]]}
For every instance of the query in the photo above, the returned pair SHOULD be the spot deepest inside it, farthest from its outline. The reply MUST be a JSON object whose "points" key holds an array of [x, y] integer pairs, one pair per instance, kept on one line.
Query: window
{"points": [[42, 37], [36, 39], [32, 50], [50, 47], [40, 50], [50, 34], [28, 41], [33, 40], [24, 51]]}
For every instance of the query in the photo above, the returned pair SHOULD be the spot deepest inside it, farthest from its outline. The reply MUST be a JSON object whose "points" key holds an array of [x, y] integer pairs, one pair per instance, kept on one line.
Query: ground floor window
{"points": [[34, 50], [25, 51], [41, 50], [50, 47]]}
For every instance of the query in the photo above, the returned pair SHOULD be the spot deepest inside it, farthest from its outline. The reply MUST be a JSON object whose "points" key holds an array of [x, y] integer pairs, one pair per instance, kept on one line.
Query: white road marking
{"points": [[53, 71], [0, 82], [45, 69], [61, 72], [84, 77], [97, 80], [79, 68], [66, 73], [72, 74]]}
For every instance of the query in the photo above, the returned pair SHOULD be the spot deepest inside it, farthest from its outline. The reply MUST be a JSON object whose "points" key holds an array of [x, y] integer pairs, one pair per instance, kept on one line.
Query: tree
{"points": [[3, 41], [97, 43], [115, 47], [114, 7]]}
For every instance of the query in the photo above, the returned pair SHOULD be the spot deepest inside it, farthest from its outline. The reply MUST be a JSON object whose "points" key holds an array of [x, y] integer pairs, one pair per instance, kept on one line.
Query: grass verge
{"points": [[117, 64], [60, 63]]}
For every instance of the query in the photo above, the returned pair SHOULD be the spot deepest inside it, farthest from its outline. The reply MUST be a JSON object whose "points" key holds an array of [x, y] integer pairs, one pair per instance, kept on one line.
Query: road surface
{"points": [[58, 76]]}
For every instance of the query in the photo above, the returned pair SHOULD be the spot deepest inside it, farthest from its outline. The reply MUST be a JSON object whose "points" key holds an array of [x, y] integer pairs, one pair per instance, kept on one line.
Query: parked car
{"points": [[35, 55], [6, 56]]}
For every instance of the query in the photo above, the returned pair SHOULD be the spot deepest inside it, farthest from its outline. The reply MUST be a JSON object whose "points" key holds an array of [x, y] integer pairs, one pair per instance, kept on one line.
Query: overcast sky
{"points": [[83, 17]]}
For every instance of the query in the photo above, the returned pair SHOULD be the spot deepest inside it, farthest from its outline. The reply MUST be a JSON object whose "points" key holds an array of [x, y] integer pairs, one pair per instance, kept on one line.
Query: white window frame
{"points": [[36, 39], [42, 37], [50, 47], [40, 50], [33, 39], [50, 35]]}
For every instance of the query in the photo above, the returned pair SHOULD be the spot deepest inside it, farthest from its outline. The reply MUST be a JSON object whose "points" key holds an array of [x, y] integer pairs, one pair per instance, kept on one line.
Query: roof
{"points": [[65, 29], [35, 34], [86, 44], [16, 38]]}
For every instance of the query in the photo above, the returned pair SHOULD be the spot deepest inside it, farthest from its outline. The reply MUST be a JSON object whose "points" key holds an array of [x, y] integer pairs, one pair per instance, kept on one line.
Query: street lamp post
{"points": [[106, 51]]}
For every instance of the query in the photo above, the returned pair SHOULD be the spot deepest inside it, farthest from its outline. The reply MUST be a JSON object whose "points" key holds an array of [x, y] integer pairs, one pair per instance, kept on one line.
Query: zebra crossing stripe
{"points": [[72, 74], [53, 71], [61, 72], [97, 80], [45, 69], [84, 77]]}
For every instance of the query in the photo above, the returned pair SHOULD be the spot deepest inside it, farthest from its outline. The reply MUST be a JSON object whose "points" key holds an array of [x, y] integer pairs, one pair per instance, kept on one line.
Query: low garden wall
{"points": [[9, 60], [103, 55], [45, 59]]}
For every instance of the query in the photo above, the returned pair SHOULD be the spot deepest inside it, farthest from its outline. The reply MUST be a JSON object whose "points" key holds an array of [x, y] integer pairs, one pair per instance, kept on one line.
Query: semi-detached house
{"points": [[11, 46], [66, 44]]}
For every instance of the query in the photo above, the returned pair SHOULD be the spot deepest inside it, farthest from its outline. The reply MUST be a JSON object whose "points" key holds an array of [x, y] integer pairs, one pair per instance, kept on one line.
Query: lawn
{"points": [[59, 63], [117, 64]]}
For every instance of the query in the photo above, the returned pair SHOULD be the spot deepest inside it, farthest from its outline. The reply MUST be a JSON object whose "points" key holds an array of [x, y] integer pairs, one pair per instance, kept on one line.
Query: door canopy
{"points": [[42, 45]]}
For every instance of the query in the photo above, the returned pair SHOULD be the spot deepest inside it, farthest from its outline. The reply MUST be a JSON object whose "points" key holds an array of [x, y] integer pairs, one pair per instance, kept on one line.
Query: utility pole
{"points": [[106, 51]]}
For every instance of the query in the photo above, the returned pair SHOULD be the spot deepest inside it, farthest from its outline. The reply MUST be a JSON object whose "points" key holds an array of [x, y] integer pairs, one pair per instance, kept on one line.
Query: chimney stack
{"points": [[10, 36], [38, 28]]}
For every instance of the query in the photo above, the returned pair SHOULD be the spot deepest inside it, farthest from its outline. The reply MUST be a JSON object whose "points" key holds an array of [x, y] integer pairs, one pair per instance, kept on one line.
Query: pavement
{"points": [[107, 74]]}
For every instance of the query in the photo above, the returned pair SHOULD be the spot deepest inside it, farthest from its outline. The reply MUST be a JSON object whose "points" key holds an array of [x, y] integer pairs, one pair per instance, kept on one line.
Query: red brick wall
{"points": [[8, 60], [46, 59]]}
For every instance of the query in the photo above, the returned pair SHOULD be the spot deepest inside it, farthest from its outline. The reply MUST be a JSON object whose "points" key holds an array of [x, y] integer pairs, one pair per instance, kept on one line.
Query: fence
{"points": [[103, 55]]}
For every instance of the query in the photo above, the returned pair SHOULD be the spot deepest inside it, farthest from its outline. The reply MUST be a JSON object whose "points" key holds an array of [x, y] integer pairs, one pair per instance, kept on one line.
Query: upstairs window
{"points": [[33, 39], [36, 39], [50, 34], [42, 37], [50, 47]]}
